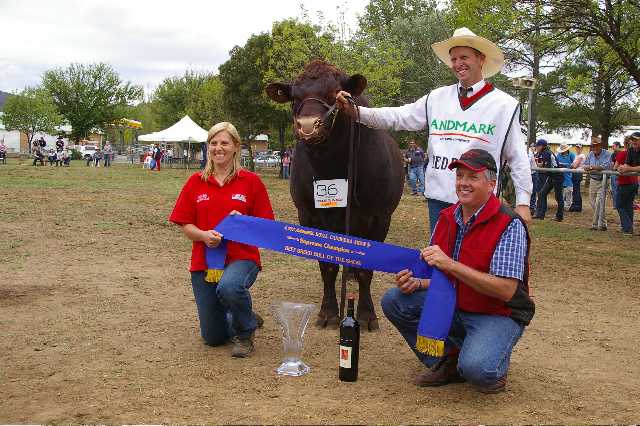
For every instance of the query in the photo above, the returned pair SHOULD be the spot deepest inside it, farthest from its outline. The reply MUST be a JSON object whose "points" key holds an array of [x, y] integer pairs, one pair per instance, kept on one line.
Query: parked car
{"points": [[267, 160], [87, 151]]}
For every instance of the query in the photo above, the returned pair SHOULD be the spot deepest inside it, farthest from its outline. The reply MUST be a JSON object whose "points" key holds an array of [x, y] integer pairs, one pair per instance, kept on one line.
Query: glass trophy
{"points": [[293, 318]]}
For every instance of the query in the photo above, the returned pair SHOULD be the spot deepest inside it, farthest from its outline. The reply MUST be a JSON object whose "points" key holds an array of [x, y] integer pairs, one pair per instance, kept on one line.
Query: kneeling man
{"points": [[483, 247]]}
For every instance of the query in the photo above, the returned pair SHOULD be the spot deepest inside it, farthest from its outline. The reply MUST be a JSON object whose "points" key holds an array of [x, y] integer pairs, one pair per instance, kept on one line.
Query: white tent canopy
{"points": [[185, 130]]}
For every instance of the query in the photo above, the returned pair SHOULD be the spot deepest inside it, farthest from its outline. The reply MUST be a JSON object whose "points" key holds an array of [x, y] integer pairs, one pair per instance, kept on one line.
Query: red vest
{"points": [[476, 251]]}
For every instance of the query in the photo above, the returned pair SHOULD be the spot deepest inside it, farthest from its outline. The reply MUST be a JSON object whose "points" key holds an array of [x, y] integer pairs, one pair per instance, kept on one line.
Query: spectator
{"points": [[3, 151], [223, 301], [38, 155], [628, 161], [97, 156], [492, 284], [157, 156], [547, 159], [59, 143], [617, 147], [597, 160], [286, 162], [108, 154], [59, 158], [576, 179], [415, 159], [41, 142], [565, 160], [66, 158], [52, 157], [534, 178]]}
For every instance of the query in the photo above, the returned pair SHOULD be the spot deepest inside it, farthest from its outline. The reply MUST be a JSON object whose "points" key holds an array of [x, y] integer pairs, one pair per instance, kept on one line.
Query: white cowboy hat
{"points": [[563, 148], [464, 37]]}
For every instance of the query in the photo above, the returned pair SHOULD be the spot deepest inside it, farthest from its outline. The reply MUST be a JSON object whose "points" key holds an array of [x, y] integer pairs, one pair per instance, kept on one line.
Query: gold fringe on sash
{"points": [[428, 346], [213, 275]]}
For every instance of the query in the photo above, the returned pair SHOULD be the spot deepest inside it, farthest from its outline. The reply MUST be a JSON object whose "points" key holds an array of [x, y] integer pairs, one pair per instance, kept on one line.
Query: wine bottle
{"points": [[349, 345]]}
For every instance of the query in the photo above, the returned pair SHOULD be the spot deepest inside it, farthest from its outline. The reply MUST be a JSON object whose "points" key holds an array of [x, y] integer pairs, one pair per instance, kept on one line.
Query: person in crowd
{"points": [[41, 142], [627, 161], [534, 178], [59, 143], [107, 152], [415, 159], [59, 158], [157, 156], [97, 156], [286, 162], [616, 147], [38, 155], [471, 113], [492, 285], [597, 160], [576, 180], [208, 196], [3, 152], [66, 158], [52, 157], [565, 159], [545, 158]]}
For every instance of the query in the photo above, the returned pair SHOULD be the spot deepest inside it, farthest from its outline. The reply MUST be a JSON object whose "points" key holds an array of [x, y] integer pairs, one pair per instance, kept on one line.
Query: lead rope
{"points": [[350, 189]]}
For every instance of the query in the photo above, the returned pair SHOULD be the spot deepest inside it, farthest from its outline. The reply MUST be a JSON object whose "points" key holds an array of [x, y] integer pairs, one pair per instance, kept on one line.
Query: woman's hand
{"points": [[211, 238]]}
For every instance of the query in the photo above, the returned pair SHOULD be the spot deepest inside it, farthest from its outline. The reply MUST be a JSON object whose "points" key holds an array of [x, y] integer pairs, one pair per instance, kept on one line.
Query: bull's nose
{"points": [[307, 127]]}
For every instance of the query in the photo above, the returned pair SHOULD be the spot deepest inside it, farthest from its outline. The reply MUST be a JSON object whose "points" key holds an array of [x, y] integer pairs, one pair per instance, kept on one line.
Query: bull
{"points": [[322, 153]]}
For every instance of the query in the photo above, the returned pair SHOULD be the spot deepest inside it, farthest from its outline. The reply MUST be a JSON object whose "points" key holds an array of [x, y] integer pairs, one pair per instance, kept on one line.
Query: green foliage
{"points": [[196, 94], [89, 96], [76, 155], [32, 111]]}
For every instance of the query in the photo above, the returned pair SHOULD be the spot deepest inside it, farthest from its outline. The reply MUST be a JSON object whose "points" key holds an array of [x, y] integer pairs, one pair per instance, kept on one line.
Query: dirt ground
{"points": [[98, 321]]}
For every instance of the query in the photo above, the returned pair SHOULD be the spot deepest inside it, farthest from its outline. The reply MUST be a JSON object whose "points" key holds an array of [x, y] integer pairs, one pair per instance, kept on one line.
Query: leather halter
{"points": [[331, 110]]}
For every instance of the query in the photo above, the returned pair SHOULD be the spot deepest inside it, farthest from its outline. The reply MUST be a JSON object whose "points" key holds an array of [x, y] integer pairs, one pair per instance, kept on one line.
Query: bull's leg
{"points": [[328, 315], [366, 311]]}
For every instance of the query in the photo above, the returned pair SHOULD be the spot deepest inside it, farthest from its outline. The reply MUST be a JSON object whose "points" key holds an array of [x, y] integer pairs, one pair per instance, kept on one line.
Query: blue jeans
{"points": [[225, 309], [435, 207], [416, 176], [485, 341], [285, 172], [553, 181], [614, 191], [576, 201], [536, 187], [626, 195]]}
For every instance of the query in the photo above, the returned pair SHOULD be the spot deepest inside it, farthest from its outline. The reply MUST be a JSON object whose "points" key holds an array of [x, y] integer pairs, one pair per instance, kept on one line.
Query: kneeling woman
{"points": [[223, 188]]}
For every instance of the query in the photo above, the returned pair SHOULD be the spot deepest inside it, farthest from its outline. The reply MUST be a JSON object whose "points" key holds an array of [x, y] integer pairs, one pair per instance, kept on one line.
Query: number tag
{"points": [[330, 193]]}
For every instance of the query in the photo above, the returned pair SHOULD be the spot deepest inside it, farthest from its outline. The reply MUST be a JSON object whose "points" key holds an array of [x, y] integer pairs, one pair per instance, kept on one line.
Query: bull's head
{"points": [[313, 102]]}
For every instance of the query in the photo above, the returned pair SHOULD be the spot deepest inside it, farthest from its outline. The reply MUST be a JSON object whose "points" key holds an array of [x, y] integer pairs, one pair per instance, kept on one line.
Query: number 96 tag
{"points": [[330, 193]]}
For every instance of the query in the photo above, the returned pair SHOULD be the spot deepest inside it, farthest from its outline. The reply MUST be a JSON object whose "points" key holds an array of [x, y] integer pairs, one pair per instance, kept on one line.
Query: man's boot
{"points": [[443, 372]]}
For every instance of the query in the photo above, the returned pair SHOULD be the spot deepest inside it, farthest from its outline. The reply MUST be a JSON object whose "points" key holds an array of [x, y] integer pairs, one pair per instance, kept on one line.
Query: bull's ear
{"points": [[279, 92], [356, 85]]}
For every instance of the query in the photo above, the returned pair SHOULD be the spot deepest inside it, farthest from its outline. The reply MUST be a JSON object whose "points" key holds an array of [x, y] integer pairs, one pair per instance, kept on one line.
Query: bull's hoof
{"points": [[371, 325], [330, 322]]}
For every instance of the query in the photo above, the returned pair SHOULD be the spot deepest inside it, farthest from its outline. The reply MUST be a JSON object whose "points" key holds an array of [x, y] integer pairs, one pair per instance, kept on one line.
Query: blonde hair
{"points": [[236, 167]]}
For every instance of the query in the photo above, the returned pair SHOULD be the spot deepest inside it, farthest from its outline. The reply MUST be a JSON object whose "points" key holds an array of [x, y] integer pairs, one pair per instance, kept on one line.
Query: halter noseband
{"points": [[331, 110]]}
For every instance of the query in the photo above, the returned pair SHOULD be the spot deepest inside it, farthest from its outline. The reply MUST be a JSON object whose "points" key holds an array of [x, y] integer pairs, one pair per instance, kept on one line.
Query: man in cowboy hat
{"points": [[469, 114], [565, 159], [597, 160]]}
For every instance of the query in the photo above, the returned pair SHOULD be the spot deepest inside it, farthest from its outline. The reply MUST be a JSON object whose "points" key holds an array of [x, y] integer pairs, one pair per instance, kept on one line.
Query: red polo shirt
{"points": [[621, 158], [205, 204]]}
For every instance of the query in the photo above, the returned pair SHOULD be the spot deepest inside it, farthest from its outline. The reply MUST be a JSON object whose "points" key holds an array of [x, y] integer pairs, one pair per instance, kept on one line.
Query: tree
{"points": [[615, 22], [32, 111], [89, 96]]}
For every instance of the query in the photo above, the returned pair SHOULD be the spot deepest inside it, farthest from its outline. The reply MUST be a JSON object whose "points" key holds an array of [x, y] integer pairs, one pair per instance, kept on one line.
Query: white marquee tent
{"points": [[184, 131]]}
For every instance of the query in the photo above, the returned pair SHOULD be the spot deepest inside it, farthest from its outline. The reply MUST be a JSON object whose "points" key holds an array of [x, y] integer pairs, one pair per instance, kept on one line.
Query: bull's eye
{"points": [[280, 92]]}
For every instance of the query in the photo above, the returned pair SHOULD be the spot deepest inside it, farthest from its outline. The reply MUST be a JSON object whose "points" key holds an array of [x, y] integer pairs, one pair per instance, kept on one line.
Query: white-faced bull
{"points": [[322, 152]]}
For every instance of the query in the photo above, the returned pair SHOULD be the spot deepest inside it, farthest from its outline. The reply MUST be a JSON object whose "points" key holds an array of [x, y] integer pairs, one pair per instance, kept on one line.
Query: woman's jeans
{"points": [[576, 203], [225, 309], [626, 195], [485, 341], [553, 181], [285, 172]]}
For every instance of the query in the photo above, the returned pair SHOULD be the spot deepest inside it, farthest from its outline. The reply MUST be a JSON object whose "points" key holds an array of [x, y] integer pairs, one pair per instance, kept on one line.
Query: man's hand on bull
{"points": [[345, 103]]}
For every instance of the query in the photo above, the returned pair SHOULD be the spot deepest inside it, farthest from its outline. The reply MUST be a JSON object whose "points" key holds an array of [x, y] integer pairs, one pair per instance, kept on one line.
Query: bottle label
{"points": [[345, 356]]}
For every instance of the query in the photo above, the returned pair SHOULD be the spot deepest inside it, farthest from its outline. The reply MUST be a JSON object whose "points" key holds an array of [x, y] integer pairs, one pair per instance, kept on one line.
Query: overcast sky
{"points": [[144, 40]]}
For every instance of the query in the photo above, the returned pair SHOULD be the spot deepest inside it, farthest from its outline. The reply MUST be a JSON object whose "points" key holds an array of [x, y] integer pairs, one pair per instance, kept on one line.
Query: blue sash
{"points": [[346, 250]]}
